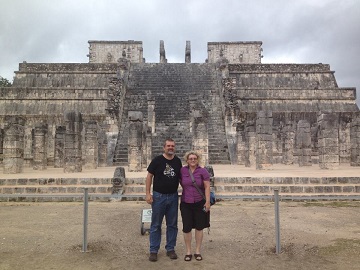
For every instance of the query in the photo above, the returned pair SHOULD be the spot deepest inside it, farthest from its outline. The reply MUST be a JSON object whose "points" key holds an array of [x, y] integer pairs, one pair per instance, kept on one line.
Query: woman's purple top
{"points": [[190, 194]]}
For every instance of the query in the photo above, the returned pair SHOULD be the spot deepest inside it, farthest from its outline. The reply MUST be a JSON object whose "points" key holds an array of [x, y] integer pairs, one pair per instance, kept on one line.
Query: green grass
{"points": [[342, 246]]}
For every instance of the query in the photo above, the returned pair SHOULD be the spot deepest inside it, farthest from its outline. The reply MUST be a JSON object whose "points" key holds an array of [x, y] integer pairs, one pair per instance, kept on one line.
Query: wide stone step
{"points": [[286, 196], [267, 189], [64, 189], [310, 189], [54, 197], [55, 181], [288, 180]]}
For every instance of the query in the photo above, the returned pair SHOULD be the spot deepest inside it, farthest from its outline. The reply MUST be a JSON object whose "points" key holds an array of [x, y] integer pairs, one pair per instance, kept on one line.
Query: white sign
{"points": [[146, 215]]}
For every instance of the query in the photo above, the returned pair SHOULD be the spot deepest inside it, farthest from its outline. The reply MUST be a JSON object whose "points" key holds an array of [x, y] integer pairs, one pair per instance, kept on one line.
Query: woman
{"points": [[195, 203]]}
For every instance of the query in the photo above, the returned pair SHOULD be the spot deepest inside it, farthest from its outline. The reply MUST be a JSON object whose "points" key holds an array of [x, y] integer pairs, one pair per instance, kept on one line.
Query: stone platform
{"points": [[220, 170], [231, 181]]}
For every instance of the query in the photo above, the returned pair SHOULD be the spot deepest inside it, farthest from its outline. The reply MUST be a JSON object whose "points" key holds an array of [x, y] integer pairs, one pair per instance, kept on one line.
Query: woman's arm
{"points": [[207, 195]]}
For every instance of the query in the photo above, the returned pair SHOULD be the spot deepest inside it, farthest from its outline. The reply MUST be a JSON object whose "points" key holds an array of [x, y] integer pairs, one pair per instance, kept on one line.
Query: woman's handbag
{"points": [[212, 194]]}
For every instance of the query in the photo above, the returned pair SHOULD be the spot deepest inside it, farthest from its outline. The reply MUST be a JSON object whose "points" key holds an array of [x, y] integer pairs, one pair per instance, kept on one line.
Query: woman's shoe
{"points": [[187, 258]]}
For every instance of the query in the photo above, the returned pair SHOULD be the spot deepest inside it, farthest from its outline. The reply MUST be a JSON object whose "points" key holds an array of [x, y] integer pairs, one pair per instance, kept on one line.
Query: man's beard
{"points": [[171, 152]]}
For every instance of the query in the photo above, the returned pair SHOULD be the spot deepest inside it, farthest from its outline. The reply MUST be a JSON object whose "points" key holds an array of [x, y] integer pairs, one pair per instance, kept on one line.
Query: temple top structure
{"points": [[248, 52], [111, 51]]}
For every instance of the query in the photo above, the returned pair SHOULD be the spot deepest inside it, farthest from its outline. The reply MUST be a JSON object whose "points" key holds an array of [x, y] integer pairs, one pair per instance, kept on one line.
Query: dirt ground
{"points": [[314, 235]]}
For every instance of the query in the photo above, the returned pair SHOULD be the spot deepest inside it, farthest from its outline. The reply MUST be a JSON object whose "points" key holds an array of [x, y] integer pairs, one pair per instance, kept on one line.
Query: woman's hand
{"points": [[207, 207]]}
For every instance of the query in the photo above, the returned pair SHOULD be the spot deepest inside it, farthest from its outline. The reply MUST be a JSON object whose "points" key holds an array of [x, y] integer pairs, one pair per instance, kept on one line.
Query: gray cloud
{"points": [[302, 31]]}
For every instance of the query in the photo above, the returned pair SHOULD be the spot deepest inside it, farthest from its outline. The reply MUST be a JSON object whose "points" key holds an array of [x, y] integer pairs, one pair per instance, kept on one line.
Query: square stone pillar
{"points": [[289, 142], [40, 147], [59, 147], [72, 146], [355, 140], [13, 144], [200, 139], [250, 143], [102, 147], [264, 146], [328, 140], [303, 143], [1, 145], [135, 140], [91, 145]]}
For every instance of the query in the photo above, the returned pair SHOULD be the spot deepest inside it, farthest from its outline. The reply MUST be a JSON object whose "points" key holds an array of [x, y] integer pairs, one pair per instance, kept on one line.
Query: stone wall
{"points": [[235, 52], [111, 51], [211, 107]]}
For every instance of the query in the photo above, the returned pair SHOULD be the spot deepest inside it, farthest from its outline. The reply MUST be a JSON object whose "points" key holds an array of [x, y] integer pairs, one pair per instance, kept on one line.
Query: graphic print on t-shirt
{"points": [[169, 171]]}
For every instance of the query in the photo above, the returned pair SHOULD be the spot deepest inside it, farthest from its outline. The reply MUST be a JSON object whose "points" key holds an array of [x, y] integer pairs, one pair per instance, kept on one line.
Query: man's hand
{"points": [[149, 198]]}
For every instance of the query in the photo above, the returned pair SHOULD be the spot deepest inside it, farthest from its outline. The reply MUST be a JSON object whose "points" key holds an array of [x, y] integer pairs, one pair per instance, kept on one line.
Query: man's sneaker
{"points": [[153, 257], [172, 255]]}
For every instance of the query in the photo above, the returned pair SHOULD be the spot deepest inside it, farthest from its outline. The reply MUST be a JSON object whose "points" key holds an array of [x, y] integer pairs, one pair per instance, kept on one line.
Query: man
{"points": [[164, 173]]}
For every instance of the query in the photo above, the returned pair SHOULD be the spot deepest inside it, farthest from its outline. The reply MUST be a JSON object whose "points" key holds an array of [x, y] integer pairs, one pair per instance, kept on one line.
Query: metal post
{"points": [[277, 221], [86, 202]]}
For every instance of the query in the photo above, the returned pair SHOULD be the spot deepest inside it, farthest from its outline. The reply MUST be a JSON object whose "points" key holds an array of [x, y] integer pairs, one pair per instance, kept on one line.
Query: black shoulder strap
{"points": [[195, 185]]}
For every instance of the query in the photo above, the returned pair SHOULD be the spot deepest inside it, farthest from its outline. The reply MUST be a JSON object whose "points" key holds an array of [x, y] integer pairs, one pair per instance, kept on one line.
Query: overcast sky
{"points": [[292, 31]]}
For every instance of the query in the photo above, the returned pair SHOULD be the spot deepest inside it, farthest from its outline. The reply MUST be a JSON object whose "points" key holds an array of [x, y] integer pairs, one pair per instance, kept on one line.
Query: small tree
{"points": [[4, 82]]}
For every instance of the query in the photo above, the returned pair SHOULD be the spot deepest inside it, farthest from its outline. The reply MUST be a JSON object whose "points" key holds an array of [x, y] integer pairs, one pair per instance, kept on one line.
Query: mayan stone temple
{"points": [[116, 110]]}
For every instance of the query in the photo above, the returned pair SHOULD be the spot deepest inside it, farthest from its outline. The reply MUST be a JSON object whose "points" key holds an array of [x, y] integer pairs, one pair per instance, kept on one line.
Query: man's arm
{"points": [[148, 183]]}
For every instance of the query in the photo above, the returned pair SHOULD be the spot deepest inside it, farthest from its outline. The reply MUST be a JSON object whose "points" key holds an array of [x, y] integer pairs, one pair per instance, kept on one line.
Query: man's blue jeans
{"points": [[164, 205]]}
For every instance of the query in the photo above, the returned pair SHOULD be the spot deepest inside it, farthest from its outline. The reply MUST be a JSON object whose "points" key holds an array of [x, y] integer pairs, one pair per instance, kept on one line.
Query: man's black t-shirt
{"points": [[166, 174]]}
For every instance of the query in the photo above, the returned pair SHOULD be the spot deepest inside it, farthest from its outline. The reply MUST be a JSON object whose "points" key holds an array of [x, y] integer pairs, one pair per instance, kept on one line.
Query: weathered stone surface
{"points": [[91, 145], [135, 141], [13, 144], [264, 143], [40, 147], [210, 106], [72, 144], [118, 181]]}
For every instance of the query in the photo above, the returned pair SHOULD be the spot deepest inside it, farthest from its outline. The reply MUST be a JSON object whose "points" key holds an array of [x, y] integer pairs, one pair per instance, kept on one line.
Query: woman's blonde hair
{"points": [[192, 152]]}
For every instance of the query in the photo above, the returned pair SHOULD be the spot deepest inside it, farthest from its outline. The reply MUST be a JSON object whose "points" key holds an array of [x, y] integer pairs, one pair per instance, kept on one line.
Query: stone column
{"points": [[135, 140], [1, 145], [148, 146], [40, 147], [328, 140], [355, 140], [241, 145], [59, 147], [250, 142], [151, 115], [72, 146], [163, 59], [289, 142], [200, 139], [13, 144], [188, 52], [144, 145], [303, 143], [264, 147], [344, 137], [91, 145], [102, 148]]}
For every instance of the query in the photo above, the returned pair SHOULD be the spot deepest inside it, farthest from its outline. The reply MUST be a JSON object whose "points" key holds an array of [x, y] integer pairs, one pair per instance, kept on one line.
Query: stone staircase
{"points": [[262, 188], [289, 187], [54, 189], [170, 87], [246, 188]]}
